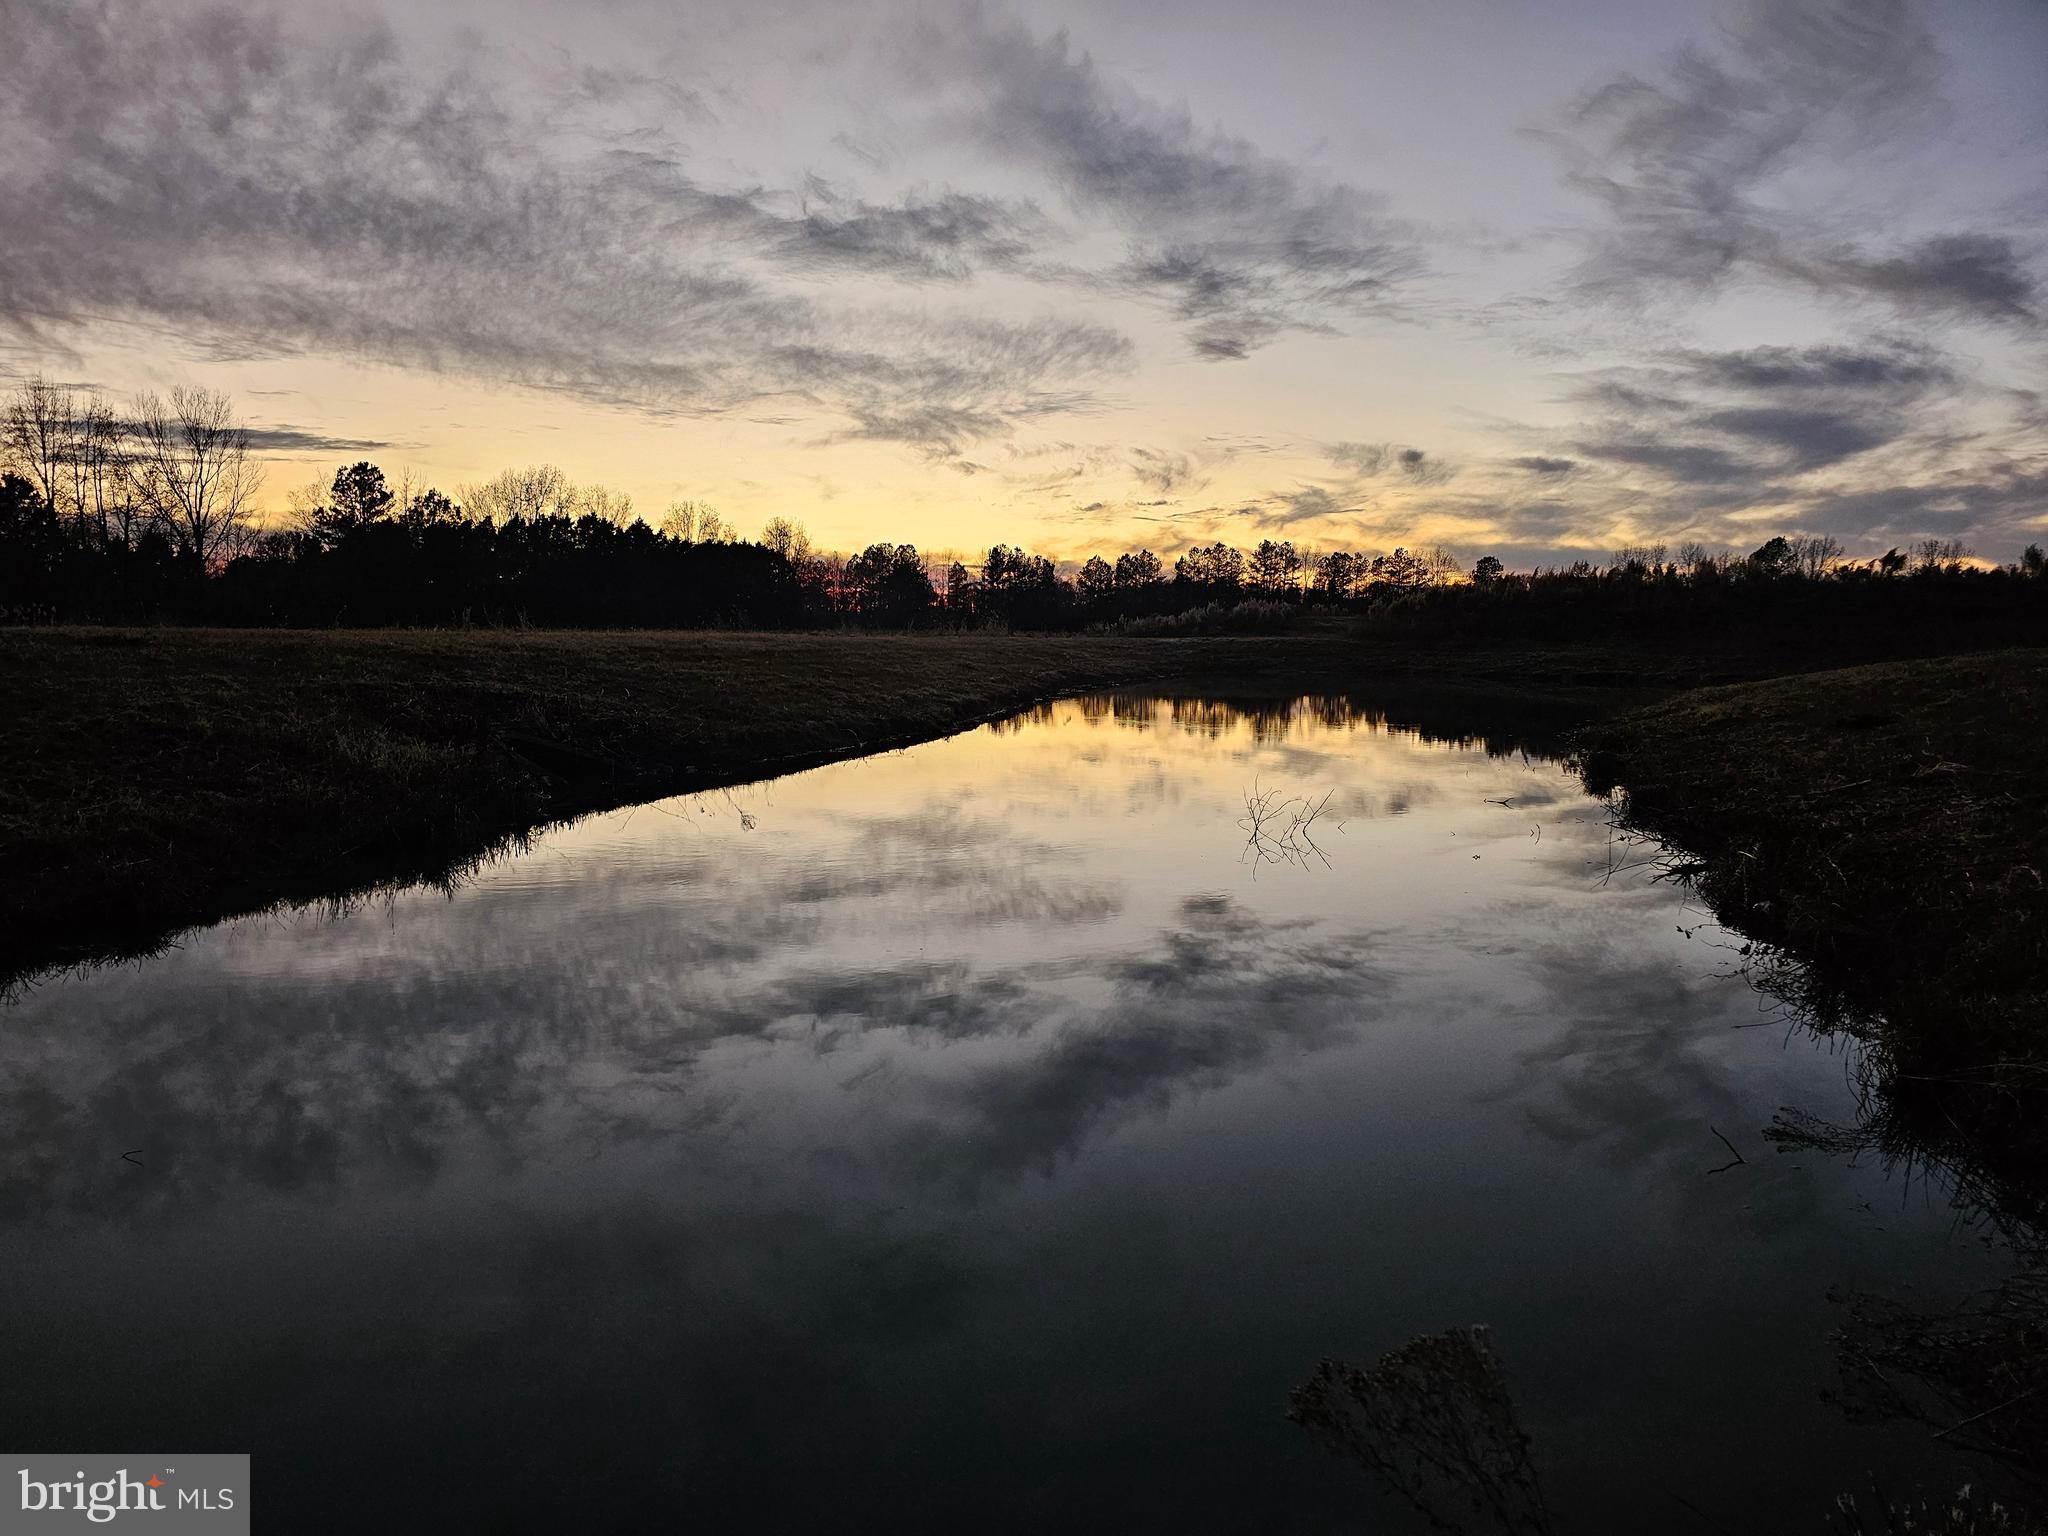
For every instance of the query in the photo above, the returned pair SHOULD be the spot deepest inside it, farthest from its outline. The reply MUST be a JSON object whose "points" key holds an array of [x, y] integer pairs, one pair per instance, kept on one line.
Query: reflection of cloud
{"points": [[1219, 994], [300, 1090], [1625, 1068], [947, 1000]]}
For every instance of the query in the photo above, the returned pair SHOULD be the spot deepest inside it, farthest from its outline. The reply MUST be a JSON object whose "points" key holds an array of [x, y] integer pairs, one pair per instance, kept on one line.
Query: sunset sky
{"points": [[1524, 279]]}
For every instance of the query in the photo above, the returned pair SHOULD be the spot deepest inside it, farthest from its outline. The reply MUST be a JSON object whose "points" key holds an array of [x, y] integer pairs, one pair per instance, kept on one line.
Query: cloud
{"points": [[1370, 460], [1539, 464], [1692, 165], [1238, 245], [290, 439], [947, 237], [1894, 364], [261, 189], [1753, 417], [1163, 471], [1879, 441], [1804, 439]]}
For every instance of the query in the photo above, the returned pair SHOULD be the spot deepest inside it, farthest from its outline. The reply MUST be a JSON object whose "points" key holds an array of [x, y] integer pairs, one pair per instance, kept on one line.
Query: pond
{"points": [[986, 1135]]}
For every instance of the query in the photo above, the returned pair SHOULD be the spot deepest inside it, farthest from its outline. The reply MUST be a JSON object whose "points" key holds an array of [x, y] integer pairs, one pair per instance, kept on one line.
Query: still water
{"points": [[982, 1136]]}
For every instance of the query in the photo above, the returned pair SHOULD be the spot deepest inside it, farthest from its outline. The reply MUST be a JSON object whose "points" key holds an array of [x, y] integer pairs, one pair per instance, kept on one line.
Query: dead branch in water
{"points": [[1279, 829]]}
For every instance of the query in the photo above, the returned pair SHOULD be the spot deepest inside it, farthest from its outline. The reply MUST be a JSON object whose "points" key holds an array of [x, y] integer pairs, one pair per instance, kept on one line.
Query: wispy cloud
{"points": [[265, 190], [1687, 162], [1237, 244], [1369, 461]]}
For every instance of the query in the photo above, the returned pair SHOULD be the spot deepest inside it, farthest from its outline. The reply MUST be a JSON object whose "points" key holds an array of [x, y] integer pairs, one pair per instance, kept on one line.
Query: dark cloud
{"points": [[1805, 439], [1691, 463], [1239, 245], [1755, 416], [1686, 164], [1538, 464], [1895, 365], [1983, 275], [260, 191], [290, 439], [947, 237]]}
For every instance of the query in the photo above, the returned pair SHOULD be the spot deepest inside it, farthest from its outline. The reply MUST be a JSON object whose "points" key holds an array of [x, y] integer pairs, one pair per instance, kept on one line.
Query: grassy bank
{"points": [[1887, 825]]}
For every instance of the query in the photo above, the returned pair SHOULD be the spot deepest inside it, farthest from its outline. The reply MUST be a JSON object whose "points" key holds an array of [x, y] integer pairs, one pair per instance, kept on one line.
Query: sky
{"points": [[1533, 280]]}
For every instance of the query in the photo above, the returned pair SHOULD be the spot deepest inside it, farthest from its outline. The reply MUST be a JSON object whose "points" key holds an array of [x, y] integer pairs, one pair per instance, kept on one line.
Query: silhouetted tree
{"points": [[1773, 557], [35, 433], [1214, 566], [1487, 570], [1337, 574], [1138, 570], [1096, 581], [787, 539], [1816, 556], [1274, 567], [195, 473], [887, 584], [1399, 570]]}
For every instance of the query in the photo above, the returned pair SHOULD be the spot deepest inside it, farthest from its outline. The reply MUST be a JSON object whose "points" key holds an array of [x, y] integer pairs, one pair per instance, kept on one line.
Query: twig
{"points": [[1973, 1418], [1739, 1158], [1695, 1509]]}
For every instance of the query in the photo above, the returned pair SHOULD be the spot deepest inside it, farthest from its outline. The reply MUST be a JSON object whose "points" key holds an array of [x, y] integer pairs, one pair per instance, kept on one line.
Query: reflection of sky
{"points": [[979, 1107]]}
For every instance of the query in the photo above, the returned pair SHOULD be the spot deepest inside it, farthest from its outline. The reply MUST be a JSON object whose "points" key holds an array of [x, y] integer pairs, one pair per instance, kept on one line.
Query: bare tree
{"points": [[615, 507], [1696, 559], [194, 473], [685, 520], [36, 434], [788, 539], [98, 463], [1817, 555], [539, 490], [1942, 554], [1637, 559]]}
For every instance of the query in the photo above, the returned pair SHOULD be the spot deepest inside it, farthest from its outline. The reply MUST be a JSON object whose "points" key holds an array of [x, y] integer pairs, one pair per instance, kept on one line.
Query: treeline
{"points": [[146, 515]]}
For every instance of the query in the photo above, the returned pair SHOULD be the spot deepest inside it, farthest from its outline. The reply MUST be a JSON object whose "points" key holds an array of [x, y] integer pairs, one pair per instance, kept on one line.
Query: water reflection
{"points": [[970, 1107]]}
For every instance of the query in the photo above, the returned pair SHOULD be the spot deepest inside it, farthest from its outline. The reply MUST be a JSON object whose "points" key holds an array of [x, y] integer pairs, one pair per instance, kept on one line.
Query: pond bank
{"points": [[1888, 826], [158, 779]]}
